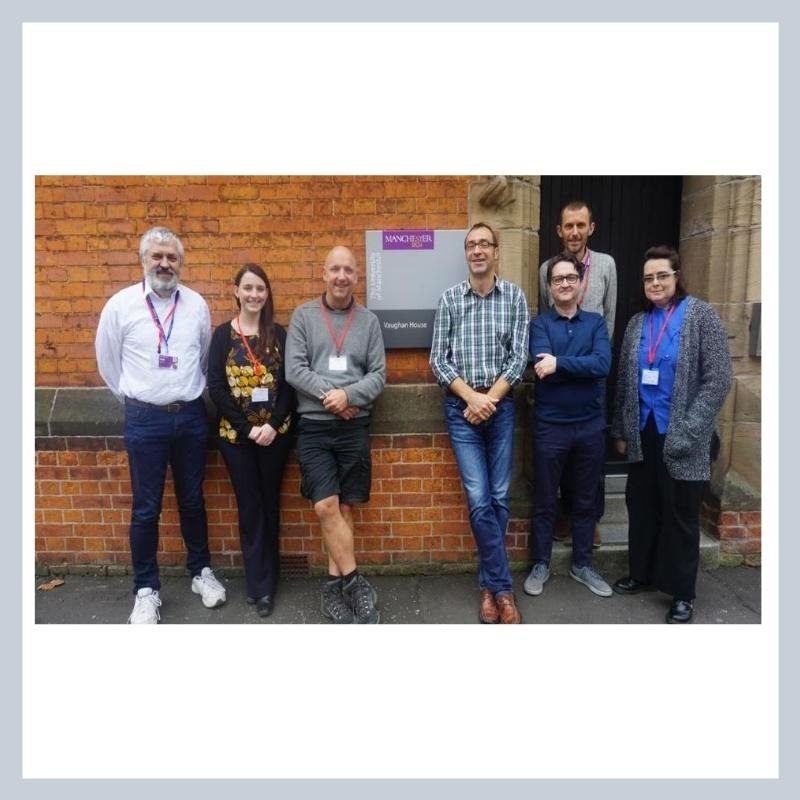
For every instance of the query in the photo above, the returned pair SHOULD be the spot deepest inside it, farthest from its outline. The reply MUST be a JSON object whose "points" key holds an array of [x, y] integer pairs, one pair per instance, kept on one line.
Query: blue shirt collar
{"points": [[555, 315]]}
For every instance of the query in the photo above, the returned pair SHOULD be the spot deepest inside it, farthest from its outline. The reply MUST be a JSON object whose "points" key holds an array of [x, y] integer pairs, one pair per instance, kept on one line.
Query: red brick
{"points": [[731, 532], [412, 470], [741, 546]]}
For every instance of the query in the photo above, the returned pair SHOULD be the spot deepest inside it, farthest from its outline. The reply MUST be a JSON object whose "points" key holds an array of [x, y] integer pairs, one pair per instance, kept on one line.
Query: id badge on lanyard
{"points": [[650, 377], [649, 374], [164, 360], [337, 363]]}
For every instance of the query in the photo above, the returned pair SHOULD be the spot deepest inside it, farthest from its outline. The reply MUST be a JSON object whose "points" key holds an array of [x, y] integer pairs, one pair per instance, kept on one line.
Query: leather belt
{"points": [[479, 389], [170, 408]]}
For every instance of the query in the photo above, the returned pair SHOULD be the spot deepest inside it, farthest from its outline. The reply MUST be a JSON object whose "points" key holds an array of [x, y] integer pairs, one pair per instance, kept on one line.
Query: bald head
{"points": [[340, 254], [339, 274]]}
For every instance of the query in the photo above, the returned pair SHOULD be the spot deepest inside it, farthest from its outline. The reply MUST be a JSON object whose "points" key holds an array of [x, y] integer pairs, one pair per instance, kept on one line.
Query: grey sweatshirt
{"points": [[309, 347]]}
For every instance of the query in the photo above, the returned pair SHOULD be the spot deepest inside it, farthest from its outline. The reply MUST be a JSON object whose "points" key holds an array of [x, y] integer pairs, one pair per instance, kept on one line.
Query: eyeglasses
{"points": [[560, 280], [484, 244], [659, 276]]}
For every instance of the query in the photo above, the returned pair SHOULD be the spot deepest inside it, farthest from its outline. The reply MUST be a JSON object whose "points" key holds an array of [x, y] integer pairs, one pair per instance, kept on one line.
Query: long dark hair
{"points": [[266, 327], [670, 254]]}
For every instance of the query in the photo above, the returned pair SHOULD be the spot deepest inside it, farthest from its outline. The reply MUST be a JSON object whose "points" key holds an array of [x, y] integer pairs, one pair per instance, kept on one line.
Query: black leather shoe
{"points": [[630, 585], [680, 611], [264, 605]]}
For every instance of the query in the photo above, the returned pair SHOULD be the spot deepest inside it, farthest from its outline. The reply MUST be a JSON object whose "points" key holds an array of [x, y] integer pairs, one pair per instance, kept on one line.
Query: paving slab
{"points": [[728, 595]]}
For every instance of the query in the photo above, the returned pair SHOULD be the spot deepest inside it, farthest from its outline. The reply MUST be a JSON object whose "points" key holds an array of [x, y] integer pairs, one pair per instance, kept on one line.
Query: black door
{"points": [[631, 213]]}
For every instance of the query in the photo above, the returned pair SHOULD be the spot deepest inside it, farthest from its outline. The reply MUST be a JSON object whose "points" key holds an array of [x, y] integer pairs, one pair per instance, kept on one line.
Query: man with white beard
{"points": [[152, 348]]}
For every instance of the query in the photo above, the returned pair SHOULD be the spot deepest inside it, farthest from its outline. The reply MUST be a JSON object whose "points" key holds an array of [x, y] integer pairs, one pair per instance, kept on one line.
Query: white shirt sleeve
{"points": [[108, 348]]}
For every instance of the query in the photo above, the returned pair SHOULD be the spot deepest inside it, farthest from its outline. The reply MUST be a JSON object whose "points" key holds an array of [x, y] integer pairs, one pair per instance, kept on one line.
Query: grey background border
{"points": [[13, 15]]}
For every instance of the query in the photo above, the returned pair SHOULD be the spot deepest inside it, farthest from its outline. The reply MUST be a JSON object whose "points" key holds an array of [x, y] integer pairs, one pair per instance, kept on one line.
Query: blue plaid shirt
{"points": [[480, 339]]}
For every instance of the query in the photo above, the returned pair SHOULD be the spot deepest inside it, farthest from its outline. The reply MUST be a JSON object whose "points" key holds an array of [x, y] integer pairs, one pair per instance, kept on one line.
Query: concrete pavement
{"points": [[728, 595]]}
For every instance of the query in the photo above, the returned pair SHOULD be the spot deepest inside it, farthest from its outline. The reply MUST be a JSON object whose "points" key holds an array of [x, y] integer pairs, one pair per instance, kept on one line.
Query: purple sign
{"points": [[408, 240]]}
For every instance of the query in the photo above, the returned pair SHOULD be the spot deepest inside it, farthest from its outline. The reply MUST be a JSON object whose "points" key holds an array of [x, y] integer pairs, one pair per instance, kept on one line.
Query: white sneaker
{"points": [[145, 609], [212, 591]]}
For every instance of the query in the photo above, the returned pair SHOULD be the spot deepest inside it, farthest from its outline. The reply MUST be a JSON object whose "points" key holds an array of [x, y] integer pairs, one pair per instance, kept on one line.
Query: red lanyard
{"points": [[651, 348], [251, 357], [587, 265], [338, 342], [163, 337]]}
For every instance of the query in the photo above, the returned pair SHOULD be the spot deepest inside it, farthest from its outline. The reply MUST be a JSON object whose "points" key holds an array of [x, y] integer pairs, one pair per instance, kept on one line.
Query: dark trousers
{"points": [[663, 520], [582, 444], [155, 438], [256, 473], [566, 481], [565, 490]]}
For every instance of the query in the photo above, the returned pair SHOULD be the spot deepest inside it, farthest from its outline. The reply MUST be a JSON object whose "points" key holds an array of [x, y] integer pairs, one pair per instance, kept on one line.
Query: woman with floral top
{"points": [[254, 405]]}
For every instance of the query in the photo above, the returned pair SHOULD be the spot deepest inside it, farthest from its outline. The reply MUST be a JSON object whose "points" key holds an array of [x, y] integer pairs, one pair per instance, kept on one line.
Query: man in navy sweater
{"points": [[572, 356]]}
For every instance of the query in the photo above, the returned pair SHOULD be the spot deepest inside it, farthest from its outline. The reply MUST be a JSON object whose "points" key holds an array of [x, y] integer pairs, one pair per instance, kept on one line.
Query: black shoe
{"points": [[680, 611], [630, 585], [333, 604], [264, 605], [361, 596]]}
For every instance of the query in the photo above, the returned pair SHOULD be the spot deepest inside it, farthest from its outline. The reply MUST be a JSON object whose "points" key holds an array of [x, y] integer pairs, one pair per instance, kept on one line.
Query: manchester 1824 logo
{"points": [[408, 240]]}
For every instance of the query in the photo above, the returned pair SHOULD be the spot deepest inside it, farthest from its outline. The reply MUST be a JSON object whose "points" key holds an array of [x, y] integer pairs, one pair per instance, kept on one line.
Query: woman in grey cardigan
{"points": [[674, 376]]}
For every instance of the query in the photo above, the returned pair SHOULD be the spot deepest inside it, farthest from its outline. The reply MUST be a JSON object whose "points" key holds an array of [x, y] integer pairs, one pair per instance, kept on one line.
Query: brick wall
{"points": [[416, 517], [738, 531], [88, 229]]}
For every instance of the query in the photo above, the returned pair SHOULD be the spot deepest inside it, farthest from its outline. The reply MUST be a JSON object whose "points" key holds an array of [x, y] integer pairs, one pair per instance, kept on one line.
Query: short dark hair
{"points": [[575, 205], [670, 254], [570, 257], [495, 239]]}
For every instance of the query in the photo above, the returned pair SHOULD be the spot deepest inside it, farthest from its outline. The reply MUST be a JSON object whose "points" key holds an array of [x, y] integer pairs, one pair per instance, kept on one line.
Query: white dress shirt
{"points": [[127, 343]]}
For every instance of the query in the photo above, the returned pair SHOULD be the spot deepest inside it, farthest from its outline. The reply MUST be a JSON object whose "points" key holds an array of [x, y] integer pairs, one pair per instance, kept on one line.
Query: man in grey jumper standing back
{"points": [[598, 294], [336, 362]]}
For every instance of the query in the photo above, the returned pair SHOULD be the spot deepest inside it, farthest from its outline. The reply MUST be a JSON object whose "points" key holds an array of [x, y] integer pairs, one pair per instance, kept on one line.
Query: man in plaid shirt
{"points": [[479, 351]]}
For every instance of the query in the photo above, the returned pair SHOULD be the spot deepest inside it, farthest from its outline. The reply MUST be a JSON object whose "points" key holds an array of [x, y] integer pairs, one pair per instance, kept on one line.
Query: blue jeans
{"points": [[154, 438], [484, 454]]}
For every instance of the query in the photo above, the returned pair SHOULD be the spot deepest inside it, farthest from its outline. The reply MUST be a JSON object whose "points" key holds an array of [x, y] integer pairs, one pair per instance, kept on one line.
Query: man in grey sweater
{"points": [[336, 362], [598, 293]]}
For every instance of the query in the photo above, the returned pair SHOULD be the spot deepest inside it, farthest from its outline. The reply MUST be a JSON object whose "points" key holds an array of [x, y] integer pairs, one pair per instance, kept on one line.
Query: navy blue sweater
{"points": [[583, 359]]}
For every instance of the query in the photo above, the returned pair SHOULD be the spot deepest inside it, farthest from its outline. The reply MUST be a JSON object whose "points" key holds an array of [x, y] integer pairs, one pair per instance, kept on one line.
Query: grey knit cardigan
{"points": [[702, 382]]}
